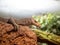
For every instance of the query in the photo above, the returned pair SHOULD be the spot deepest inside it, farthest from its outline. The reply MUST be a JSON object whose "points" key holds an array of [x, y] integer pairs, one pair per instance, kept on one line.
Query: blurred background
{"points": [[27, 8]]}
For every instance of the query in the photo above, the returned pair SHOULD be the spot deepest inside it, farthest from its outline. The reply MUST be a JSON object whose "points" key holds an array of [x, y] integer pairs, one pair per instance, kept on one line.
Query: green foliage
{"points": [[49, 22]]}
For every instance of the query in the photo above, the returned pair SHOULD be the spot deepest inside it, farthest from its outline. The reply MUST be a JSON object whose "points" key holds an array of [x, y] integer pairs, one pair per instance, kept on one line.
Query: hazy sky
{"points": [[28, 6], [17, 5]]}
